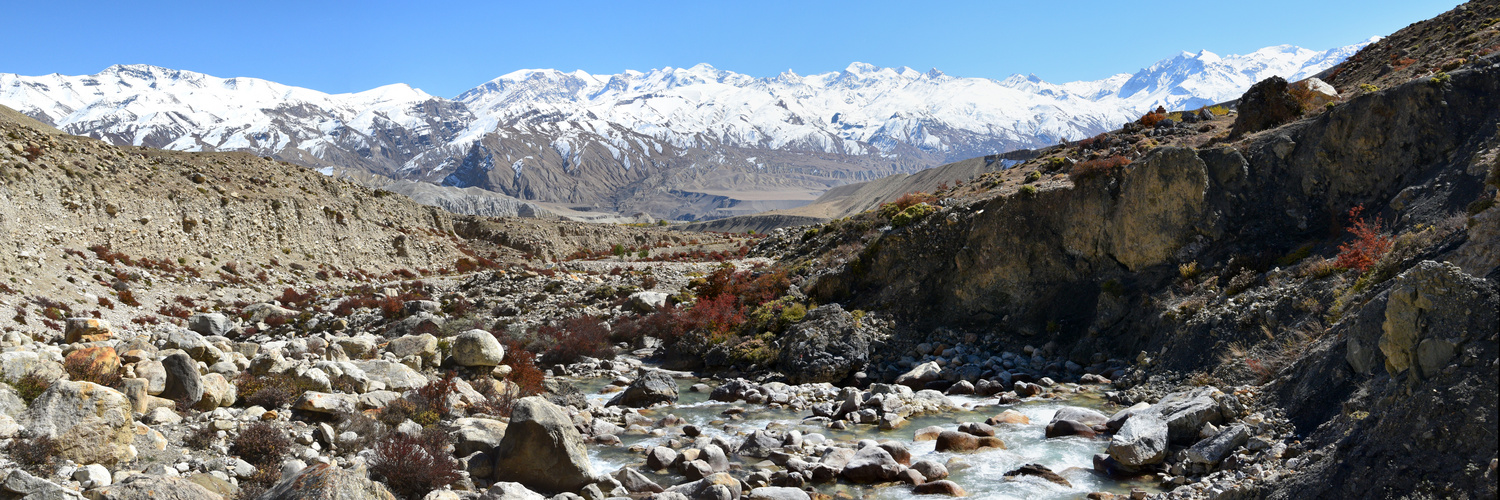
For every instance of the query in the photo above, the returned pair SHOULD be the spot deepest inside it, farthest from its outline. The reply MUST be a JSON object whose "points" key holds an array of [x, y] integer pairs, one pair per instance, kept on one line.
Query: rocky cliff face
{"points": [[1210, 260]]}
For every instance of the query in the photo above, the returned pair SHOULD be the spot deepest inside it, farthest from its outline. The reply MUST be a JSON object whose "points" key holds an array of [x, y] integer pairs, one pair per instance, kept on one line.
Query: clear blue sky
{"points": [[446, 47]]}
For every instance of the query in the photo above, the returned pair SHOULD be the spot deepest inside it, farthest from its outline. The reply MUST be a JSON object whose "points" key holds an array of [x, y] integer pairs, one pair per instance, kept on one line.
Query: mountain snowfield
{"points": [[583, 139]]}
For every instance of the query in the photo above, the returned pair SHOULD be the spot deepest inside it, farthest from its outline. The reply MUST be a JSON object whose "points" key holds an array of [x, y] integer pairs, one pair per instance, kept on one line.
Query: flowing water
{"points": [[979, 472]]}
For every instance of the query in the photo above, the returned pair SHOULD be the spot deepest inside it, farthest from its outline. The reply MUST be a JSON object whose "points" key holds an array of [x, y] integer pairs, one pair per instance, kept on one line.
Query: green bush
{"points": [[912, 214], [1033, 176]]}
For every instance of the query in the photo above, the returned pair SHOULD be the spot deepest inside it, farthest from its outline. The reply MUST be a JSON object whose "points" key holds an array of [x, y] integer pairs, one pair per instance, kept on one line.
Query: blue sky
{"points": [[446, 47]]}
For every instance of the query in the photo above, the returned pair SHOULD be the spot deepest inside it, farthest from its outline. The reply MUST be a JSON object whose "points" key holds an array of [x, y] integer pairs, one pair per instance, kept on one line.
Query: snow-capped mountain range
{"points": [[615, 142]]}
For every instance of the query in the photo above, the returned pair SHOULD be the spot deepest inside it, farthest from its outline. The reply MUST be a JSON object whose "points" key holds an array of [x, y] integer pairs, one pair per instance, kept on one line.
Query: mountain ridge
{"points": [[617, 142]]}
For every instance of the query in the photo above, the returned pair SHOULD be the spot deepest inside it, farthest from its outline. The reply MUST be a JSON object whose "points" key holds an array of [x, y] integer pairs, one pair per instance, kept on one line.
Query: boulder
{"points": [[217, 392], [183, 380], [396, 376], [650, 387], [957, 441], [941, 487], [930, 469], [777, 493], [477, 348], [210, 324], [21, 485], [646, 302], [510, 491], [89, 422], [328, 482], [760, 444], [872, 464], [721, 486], [827, 346], [96, 360], [542, 450], [148, 487], [322, 402], [1037, 470], [928, 433], [636, 482], [1186, 412], [976, 429], [1141, 441], [87, 330], [1083, 416], [1216, 448], [660, 458], [1060, 428], [1313, 93], [472, 435], [920, 375], [1008, 417], [1267, 104]]}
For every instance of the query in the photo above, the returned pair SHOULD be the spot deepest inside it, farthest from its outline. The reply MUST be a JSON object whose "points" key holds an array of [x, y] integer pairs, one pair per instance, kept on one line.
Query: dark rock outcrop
{"points": [[828, 346], [1265, 105]]}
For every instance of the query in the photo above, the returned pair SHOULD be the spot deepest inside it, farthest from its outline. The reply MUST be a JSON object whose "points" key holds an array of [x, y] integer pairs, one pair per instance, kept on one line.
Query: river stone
{"points": [[1186, 412], [636, 482], [90, 423], [777, 493], [510, 491], [872, 464], [716, 486], [328, 482], [477, 348], [1040, 471], [920, 375], [957, 441], [183, 380], [1084, 416], [942, 487], [1008, 417], [660, 457], [1141, 441], [930, 469], [976, 428], [760, 444], [542, 450], [928, 433], [1060, 428], [650, 387]]}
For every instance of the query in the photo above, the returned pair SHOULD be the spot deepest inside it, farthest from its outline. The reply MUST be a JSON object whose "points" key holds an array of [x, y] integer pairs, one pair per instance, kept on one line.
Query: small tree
{"points": [[1369, 245]]}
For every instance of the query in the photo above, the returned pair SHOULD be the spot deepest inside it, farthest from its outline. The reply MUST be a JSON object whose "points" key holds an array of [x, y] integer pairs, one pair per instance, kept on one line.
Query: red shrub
{"points": [[574, 338], [1369, 244], [293, 299], [1094, 168], [413, 466]]}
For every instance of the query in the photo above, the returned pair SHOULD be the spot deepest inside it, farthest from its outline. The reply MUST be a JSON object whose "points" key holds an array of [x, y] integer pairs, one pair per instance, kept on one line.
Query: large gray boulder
{"points": [[90, 423], [327, 482], [510, 491], [542, 450], [872, 464], [827, 346], [474, 434], [396, 376], [210, 324], [1141, 441], [477, 348], [1186, 412], [148, 487], [920, 375], [715, 486], [18, 484], [649, 388], [1216, 448], [183, 380]]}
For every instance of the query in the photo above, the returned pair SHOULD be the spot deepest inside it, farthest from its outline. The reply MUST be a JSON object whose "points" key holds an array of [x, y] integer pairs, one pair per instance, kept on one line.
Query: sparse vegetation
{"points": [[413, 465]]}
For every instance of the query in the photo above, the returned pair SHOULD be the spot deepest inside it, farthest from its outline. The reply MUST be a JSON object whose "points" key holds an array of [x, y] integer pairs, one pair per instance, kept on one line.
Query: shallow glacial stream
{"points": [[980, 473]]}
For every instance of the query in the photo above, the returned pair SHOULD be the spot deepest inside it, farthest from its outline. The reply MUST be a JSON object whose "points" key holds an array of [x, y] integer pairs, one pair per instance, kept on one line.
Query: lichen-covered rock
{"points": [[87, 330], [91, 423], [828, 346], [542, 450]]}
